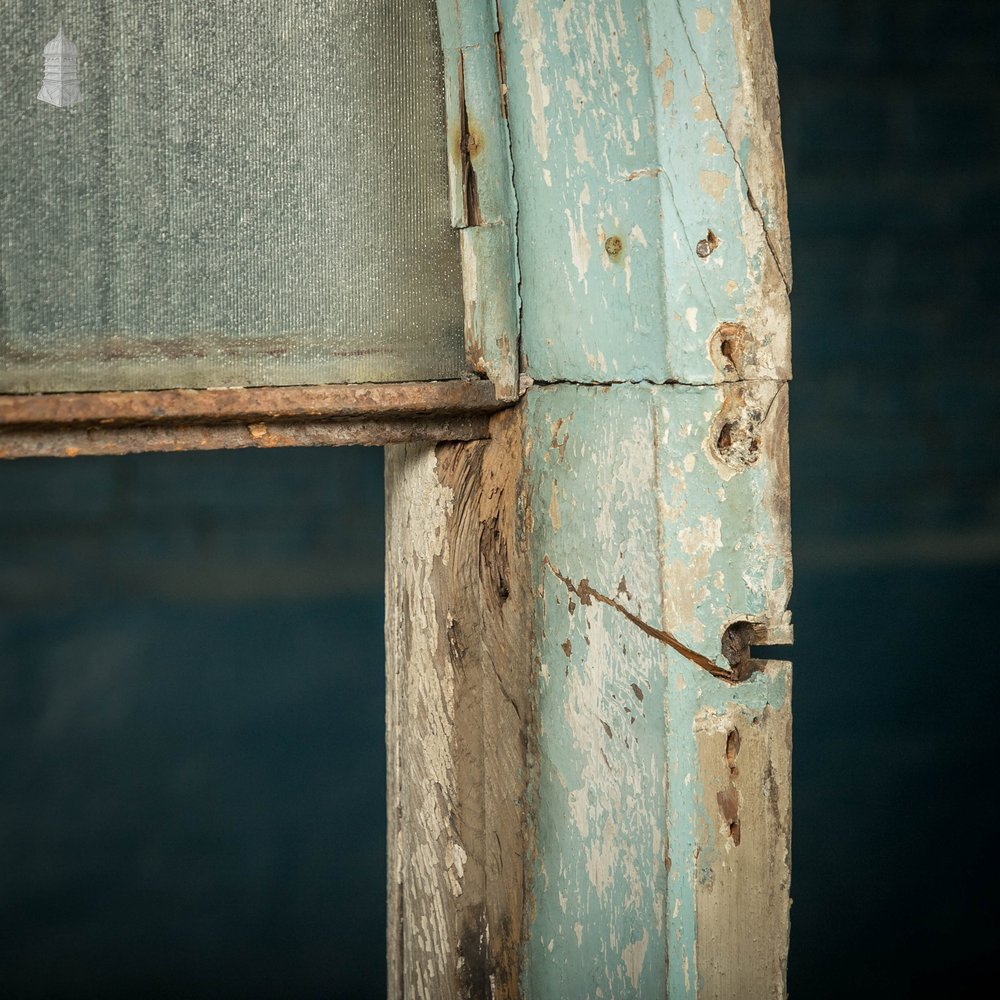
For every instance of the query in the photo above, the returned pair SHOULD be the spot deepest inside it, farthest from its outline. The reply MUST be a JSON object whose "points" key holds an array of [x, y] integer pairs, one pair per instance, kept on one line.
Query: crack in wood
{"points": [[739, 166], [714, 384], [587, 595]]}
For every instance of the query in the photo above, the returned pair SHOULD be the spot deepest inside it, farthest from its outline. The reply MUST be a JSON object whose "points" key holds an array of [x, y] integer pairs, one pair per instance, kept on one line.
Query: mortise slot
{"points": [[744, 655], [769, 652], [501, 63]]}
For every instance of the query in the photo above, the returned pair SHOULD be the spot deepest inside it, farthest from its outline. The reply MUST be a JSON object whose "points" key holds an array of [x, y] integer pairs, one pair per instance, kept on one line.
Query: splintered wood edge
{"points": [[370, 401]]}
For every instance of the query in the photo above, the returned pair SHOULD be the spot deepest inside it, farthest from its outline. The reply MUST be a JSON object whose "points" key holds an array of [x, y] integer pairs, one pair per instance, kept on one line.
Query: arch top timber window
{"points": [[242, 193]]}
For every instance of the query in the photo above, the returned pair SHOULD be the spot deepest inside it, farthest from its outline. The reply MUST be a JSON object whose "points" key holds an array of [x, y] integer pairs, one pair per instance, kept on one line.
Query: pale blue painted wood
{"points": [[630, 120], [479, 156], [627, 503], [640, 130]]}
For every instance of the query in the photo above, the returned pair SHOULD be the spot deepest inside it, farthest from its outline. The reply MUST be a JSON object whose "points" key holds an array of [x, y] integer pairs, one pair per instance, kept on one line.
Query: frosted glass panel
{"points": [[201, 193]]}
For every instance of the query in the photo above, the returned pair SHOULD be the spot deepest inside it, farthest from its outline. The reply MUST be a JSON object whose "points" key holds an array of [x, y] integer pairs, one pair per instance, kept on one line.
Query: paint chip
{"points": [[714, 183]]}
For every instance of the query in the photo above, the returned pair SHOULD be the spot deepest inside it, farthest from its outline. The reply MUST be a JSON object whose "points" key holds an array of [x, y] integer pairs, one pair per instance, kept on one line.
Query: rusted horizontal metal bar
{"points": [[70, 442], [245, 406]]}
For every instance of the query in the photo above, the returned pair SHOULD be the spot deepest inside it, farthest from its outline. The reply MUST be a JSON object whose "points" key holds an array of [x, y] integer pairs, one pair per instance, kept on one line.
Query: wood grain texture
{"points": [[654, 277], [458, 716], [744, 757]]}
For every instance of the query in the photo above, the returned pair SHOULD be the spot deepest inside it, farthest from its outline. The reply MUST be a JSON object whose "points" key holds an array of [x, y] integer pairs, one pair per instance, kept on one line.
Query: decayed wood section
{"points": [[458, 715]]}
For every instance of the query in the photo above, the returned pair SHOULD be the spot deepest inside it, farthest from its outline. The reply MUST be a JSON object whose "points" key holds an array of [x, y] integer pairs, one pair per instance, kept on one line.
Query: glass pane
{"points": [[227, 193]]}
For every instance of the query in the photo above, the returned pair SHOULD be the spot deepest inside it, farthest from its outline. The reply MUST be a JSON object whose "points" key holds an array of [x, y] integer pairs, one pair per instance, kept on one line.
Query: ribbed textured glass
{"points": [[245, 193]]}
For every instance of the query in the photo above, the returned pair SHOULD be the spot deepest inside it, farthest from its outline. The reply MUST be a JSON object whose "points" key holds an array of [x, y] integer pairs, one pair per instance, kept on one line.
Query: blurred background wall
{"points": [[891, 125], [191, 777], [192, 790]]}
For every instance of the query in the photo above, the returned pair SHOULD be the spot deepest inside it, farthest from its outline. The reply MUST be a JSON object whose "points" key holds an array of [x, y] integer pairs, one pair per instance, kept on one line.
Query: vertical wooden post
{"points": [[589, 776], [458, 715]]}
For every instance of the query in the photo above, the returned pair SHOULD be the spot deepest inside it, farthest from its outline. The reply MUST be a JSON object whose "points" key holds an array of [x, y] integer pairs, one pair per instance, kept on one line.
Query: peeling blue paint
{"points": [[623, 120], [628, 504], [657, 511]]}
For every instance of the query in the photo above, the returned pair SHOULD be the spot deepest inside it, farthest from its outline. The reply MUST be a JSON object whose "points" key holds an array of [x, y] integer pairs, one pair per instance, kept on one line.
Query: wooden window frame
{"points": [[588, 768], [118, 423], [482, 210]]}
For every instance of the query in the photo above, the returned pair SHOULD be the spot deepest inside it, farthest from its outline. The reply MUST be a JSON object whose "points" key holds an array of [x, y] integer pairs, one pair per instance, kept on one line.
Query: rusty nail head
{"points": [[706, 246]]}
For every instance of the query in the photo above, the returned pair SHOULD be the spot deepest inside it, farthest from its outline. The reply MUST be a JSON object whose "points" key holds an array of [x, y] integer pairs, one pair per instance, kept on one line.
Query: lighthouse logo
{"points": [[61, 86]]}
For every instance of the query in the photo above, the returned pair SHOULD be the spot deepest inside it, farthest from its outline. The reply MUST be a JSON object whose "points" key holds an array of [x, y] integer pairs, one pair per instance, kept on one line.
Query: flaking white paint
{"points": [[528, 19]]}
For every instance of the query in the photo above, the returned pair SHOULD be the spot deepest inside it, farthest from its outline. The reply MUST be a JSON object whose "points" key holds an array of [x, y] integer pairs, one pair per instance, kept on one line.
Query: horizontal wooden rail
{"points": [[213, 406], [103, 423]]}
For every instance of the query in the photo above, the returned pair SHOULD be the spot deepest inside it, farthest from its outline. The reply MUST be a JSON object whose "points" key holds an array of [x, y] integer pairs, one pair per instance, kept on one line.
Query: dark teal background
{"points": [[191, 692], [192, 726], [891, 123]]}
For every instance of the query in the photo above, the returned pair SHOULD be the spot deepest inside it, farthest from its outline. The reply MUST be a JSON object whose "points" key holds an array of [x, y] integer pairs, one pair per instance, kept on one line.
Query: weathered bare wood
{"points": [[70, 443], [756, 120], [213, 406], [744, 864], [458, 715]]}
